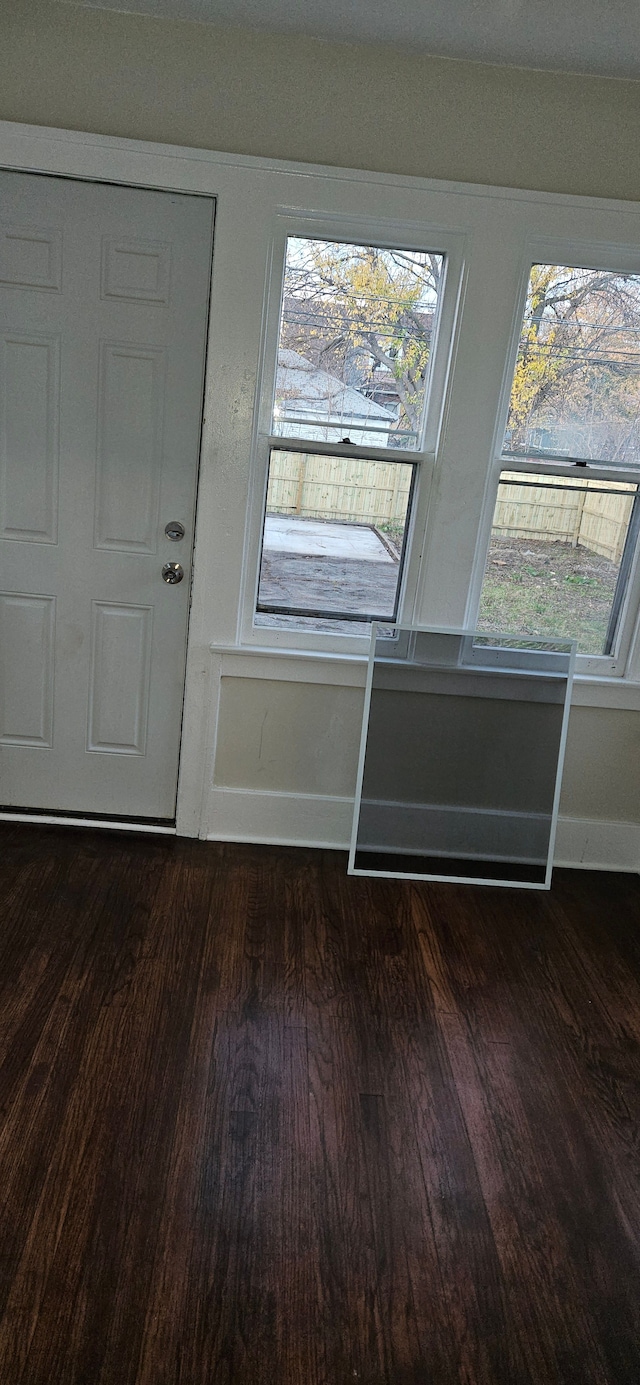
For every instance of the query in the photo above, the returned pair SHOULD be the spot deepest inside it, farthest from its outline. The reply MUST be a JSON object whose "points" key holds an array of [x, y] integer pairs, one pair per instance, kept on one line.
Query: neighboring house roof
{"points": [[304, 391]]}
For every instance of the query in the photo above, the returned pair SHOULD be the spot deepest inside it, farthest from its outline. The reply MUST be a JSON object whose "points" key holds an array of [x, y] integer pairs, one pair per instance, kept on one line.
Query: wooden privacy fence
{"points": [[377, 493], [583, 516], [339, 488]]}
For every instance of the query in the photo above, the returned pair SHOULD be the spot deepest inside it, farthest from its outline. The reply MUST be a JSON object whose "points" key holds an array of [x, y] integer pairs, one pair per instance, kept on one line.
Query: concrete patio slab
{"points": [[321, 538]]}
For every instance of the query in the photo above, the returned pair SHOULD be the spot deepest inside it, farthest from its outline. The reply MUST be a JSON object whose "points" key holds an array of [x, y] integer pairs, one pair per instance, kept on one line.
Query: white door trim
{"points": [[68, 153], [65, 820], [138, 779]]}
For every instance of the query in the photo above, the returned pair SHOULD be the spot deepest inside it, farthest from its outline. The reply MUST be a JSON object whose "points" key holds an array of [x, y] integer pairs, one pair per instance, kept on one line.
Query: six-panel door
{"points": [[103, 312]]}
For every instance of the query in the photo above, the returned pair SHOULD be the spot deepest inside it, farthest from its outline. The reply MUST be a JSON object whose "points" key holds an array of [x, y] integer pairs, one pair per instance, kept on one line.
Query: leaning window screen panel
{"points": [[357, 327], [560, 557], [576, 385], [461, 757], [334, 537]]}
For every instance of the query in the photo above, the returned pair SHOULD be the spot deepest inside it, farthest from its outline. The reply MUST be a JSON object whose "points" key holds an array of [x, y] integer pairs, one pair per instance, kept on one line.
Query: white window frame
{"points": [[591, 255], [446, 558], [384, 233]]}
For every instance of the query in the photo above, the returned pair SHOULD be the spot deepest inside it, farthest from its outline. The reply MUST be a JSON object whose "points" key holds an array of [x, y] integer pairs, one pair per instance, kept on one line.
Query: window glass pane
{"points": [[333, 538], [355, 342], [576, 387], [558, 558]]}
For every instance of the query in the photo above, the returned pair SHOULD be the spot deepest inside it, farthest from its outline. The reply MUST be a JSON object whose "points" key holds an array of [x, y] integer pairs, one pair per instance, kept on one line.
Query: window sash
{"points": [[442, 323], [450, 246], [389, 456], [564, 466], [608, 254], [546, 474]]}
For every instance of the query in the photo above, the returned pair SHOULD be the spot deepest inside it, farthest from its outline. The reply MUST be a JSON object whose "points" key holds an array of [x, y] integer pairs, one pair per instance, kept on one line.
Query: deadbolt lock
{"points": [[172, 573], [174, 530]]}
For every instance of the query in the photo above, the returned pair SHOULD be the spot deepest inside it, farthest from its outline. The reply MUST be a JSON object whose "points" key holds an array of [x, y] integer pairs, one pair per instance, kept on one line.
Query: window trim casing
{"points": [[355, 229], [619, 257]]}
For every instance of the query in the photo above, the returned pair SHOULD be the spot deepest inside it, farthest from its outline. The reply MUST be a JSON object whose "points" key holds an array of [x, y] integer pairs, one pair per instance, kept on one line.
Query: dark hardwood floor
{"points": [[263, 1124]]}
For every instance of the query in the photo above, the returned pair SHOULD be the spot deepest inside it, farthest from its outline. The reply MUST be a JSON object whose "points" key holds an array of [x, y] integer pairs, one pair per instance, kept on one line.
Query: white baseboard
{"points": [[290, 819], [280, 819], [592, 845]]}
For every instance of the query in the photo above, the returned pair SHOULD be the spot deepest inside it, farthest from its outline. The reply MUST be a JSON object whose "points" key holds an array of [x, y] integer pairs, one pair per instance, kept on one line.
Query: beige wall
{"points": [[602, 770], [304, 738], [363, 107], [288, 737], [293, 98]]}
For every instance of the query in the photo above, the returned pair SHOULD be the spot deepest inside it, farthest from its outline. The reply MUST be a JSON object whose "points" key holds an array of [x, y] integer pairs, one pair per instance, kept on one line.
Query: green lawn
{"points": [[534, 587]]}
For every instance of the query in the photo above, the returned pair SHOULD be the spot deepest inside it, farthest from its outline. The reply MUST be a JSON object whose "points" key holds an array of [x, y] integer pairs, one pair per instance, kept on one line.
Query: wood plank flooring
{"points": [[263, 1124]]}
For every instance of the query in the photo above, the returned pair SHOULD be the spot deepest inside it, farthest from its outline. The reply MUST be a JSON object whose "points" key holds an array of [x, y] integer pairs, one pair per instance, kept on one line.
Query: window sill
{"points": [[619, 694]]}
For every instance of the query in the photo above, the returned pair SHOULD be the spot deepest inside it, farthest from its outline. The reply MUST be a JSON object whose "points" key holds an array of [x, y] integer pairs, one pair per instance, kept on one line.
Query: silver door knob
{"points": [[174, 530], [172, 573]]}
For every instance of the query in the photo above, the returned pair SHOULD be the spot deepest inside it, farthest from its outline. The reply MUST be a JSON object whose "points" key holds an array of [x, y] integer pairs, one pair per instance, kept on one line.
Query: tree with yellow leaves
{"points": [[577, 373], [365, 315]]}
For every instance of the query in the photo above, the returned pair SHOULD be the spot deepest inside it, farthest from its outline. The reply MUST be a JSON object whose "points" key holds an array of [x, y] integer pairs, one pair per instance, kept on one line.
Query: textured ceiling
{"points": [[593, 36]]}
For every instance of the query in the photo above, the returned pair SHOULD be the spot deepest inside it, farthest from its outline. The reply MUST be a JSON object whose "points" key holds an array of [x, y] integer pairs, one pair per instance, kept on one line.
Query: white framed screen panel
{"points": [[461, 756]]}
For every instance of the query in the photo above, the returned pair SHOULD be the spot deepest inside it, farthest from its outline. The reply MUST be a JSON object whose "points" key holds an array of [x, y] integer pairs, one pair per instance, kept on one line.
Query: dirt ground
{"points": [[531, 587], [319, 583]]}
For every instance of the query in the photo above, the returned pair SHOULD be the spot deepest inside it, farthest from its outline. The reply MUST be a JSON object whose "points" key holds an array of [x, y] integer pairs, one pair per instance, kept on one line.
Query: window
{"points": [[447, 424], [567, 513], [346, 430]]}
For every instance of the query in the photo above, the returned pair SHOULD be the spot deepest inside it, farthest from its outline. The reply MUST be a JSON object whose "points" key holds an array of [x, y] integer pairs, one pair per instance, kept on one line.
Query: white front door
{"points": [[103, 313]]}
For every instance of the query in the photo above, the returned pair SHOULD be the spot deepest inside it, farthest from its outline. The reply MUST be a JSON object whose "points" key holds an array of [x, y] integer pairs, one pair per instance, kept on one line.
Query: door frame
{"points": [[132, 163]]}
